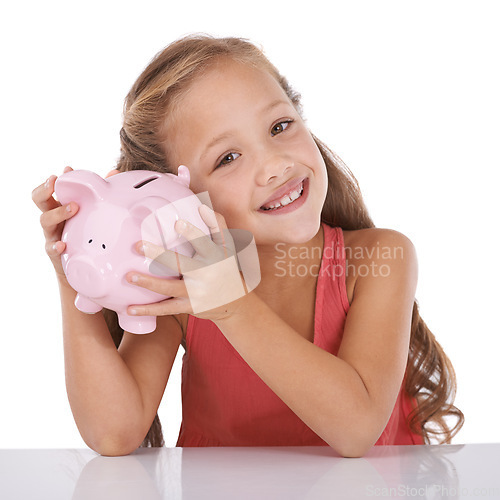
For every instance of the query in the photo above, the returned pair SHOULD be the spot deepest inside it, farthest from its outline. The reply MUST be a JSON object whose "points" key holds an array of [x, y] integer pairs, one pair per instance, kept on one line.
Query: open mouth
{"points": [[285, 200]]}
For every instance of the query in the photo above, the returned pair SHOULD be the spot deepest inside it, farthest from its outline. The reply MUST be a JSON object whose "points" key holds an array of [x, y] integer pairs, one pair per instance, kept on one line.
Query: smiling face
{"points": [[245, 143]]}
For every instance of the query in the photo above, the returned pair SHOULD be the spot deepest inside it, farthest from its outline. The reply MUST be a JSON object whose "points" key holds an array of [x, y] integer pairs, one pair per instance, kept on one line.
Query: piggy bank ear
{"points": [[183, 175], [80, 186]]}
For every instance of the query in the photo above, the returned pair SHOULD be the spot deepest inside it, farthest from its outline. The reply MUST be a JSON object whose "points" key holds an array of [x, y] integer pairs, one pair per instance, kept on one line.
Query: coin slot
{"points": [[147, 181]]}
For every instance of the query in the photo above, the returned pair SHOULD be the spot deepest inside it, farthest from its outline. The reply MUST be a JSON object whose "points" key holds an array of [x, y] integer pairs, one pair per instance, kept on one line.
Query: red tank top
{"points": [[225, 403]]}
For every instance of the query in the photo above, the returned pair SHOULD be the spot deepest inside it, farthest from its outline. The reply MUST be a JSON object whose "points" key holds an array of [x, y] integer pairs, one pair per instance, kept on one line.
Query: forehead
{"points": [[226, 88], [231, 79], [222, 100]]}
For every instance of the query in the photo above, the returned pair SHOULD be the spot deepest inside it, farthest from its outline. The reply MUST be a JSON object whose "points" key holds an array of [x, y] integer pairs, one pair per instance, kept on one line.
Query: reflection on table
{"points": [[453, 471]]}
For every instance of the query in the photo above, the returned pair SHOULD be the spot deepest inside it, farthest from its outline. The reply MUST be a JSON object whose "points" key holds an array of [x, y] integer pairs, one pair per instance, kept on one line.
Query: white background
{"points": [[407, 93]]}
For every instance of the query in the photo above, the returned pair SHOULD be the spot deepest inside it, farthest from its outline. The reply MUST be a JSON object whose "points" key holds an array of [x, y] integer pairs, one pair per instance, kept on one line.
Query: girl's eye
{"points": [[280, 127], [227, 159]]}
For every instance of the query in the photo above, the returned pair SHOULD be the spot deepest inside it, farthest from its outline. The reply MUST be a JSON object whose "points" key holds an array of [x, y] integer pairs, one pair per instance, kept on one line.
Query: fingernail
{"points": [[47, 182], [180, 225], [133, 312], [54, 247], [134, 278], [68, 208], [209, 214]]}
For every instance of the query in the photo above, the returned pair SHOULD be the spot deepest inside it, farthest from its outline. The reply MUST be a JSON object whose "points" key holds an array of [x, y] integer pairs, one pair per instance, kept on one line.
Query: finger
{"points": [[218, 229], [202, 243], [164, 286], [165, 260], [112, 172], [223, 237], [42, 195], [54, 249], [169, 306], [209, 218], [51, 219]]}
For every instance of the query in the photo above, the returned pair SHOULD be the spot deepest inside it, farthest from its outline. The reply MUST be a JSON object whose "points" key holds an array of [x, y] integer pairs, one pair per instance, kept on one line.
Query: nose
{"points": [[85, 277], [273, 166]]}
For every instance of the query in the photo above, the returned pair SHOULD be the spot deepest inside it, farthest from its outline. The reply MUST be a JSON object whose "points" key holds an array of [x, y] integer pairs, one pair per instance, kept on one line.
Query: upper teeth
{"points": [[286, 200]]}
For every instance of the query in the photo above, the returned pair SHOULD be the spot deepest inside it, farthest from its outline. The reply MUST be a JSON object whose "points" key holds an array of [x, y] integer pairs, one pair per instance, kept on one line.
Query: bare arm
{"points": [[346, 399], [114, 394]]}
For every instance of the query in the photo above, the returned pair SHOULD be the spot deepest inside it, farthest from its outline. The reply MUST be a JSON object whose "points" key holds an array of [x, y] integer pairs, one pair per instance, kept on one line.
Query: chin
{"points": [[301, 234], [305, 234]]}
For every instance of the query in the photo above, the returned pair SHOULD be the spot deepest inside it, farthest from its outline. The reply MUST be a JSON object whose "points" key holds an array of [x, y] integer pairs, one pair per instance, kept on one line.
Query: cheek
{"points": [[223, 201], [228, 208], [234, 210], [320, 167], [322, 174], [311, 155]]}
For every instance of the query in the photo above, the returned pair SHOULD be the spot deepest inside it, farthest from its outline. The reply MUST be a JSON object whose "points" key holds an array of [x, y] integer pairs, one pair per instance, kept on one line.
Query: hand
{"points": [[211, 281], [112, 172], [52, 220]]}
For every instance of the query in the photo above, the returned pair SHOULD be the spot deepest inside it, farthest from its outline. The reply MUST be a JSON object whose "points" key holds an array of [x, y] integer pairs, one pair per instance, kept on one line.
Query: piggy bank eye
{"points": [[90, 241]]}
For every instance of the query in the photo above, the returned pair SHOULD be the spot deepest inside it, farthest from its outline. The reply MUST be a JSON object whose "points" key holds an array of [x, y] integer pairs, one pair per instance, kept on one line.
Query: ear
{"points": [[183, 175], [80, 186]]}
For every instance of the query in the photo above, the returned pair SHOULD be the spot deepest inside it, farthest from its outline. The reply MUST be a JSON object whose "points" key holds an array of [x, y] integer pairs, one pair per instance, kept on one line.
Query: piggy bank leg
{"points": [[137, 324], [86, 305]]}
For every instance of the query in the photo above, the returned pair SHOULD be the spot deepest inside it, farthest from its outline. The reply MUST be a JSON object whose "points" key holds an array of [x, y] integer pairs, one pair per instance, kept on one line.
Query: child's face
{"points": [[245, 144]]}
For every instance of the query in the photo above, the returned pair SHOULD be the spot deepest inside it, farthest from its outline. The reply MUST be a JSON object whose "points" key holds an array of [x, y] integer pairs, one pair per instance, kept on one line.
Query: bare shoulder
{"points": [[364, 238], [377, 252]]}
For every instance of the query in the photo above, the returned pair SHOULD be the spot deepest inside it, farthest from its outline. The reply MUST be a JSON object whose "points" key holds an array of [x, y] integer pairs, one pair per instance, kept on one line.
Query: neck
{"points": [[286, 266]]}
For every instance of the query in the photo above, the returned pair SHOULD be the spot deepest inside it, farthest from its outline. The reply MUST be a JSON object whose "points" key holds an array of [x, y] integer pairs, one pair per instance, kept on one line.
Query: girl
{"points": [[335, 354]]}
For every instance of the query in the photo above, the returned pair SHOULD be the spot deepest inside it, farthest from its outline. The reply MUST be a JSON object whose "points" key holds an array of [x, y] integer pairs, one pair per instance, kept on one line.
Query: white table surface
{"points": [[452, 471]]}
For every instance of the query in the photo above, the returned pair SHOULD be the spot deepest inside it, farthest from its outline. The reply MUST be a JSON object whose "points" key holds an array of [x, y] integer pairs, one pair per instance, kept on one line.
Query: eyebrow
{"points": [[228, 134], [215, 141]]}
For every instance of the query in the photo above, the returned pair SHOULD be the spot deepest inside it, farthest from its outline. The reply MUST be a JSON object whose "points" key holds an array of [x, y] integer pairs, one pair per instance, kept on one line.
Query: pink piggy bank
{"points": [[115, 214]]}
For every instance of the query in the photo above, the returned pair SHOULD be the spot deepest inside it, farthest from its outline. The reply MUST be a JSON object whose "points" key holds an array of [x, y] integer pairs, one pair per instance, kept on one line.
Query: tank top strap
{"points": [[332, 303]]}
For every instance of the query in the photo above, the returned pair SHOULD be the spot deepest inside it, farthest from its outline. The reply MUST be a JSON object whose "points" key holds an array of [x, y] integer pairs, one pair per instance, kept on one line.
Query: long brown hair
{"points": [[430, 377]]}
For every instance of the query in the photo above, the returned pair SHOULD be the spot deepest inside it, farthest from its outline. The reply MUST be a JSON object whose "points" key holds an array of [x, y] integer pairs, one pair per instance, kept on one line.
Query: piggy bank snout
{"points": [[85, 277]]}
